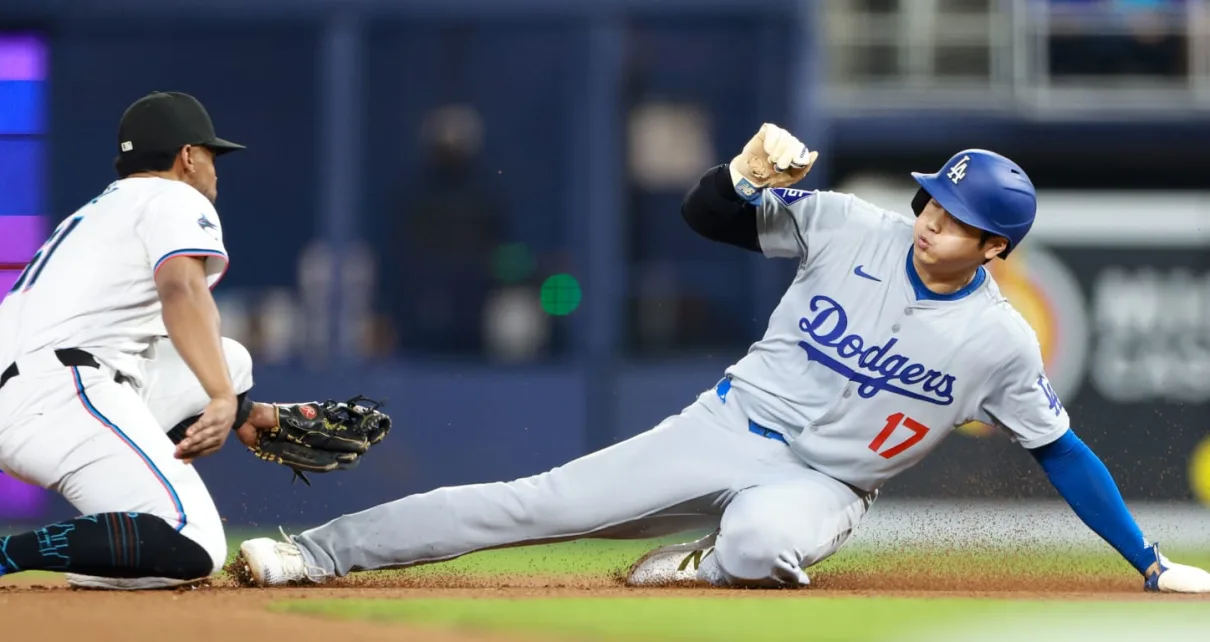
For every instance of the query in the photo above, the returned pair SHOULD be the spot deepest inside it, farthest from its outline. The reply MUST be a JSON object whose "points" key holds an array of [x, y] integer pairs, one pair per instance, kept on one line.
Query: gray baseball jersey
{"points": [[863, 369]]}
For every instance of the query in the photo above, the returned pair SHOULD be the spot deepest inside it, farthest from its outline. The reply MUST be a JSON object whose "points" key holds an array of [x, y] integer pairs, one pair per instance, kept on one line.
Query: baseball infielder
{"points": [[890, 336], [113, 373]]}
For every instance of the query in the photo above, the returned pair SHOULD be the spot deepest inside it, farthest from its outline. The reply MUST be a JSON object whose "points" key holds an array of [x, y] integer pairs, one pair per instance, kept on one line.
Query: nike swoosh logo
{"points": [[858, 271]]}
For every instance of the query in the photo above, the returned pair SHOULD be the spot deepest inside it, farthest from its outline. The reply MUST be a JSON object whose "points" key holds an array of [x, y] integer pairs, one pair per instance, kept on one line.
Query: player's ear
{"points": [[993, 247], [185, 155]]}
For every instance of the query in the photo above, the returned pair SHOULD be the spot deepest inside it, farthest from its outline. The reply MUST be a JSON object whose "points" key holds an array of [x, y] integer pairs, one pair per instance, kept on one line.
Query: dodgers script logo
{"points": [[886, 369]]}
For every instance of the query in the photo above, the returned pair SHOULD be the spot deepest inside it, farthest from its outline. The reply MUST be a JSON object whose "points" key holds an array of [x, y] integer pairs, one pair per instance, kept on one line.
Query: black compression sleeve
{"points": [[714, 210]]}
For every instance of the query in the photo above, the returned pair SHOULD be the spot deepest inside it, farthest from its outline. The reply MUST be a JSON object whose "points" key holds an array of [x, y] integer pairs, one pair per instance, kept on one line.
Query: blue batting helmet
{"points": [[984, 190]]}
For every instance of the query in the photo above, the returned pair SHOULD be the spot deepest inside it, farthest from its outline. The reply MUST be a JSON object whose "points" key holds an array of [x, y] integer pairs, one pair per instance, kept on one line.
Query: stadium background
{"points": [[470, 207]]}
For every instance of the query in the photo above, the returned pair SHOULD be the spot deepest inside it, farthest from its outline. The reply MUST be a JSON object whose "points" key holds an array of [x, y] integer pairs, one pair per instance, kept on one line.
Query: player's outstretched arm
{"points": [[1084, 481], [192, 319], [1023, 401]]}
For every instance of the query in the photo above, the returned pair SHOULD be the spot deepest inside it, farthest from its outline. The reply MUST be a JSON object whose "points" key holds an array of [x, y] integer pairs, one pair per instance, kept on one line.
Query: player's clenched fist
{"points": [[772, 158]]}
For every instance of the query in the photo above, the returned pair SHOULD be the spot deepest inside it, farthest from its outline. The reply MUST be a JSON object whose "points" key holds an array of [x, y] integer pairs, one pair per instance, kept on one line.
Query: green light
{"points": [[560, 294]]}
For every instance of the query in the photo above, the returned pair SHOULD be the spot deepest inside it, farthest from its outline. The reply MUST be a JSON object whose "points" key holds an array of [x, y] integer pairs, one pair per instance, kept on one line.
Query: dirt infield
{"points": [[51, 611]]}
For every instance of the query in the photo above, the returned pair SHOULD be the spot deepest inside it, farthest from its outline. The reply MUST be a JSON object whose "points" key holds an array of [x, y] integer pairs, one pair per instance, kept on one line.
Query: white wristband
{"points": [[746, 189]]}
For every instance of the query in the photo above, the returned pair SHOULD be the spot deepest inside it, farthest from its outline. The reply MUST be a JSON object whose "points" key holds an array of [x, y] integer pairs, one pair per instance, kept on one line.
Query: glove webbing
{"points": [[371, 404]]}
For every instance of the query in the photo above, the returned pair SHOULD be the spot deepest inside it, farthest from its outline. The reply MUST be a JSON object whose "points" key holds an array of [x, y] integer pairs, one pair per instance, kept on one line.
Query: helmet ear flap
{"points": [[920, 201]]}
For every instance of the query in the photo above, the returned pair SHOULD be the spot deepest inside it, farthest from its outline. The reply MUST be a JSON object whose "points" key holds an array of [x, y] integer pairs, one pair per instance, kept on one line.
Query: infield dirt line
{"points": [[51, 611], [456, 585]]}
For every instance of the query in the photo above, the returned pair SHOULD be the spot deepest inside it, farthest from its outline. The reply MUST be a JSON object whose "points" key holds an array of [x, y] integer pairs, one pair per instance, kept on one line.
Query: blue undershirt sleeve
{"points": [[1084, 481]]}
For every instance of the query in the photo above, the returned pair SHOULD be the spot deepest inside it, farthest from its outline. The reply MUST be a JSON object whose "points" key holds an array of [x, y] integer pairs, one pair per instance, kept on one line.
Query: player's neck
{"points": [[170, 175], [939, 282]]}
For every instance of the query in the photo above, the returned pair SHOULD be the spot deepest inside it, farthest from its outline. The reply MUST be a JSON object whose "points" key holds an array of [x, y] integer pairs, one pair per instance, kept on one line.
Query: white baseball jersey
{"points": [[864, 370], [92, 285]]}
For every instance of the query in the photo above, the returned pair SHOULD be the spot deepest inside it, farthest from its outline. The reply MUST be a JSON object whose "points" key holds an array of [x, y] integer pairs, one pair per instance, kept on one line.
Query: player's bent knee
{"points": [[213, 540], [239, 364], [188, 554], [216, 549], [203, 530], [752, 556]]}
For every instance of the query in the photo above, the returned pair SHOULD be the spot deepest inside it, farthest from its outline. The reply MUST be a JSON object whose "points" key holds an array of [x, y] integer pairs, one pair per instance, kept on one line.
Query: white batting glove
{"points": [[1166, 576], [772, 158]]}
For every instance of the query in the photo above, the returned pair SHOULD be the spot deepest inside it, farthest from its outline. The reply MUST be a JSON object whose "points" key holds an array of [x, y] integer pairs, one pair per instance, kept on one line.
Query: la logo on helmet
{"points": [[958, 171]]}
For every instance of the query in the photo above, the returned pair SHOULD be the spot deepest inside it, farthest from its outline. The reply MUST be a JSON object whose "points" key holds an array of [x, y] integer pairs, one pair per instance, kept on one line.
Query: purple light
{"points": [[7, 279], [22, 57], [21, 500], [22, 236]]}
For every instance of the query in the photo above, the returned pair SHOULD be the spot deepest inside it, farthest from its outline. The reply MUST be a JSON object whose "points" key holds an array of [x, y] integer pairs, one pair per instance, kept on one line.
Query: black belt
{"points": [[69, 357]]}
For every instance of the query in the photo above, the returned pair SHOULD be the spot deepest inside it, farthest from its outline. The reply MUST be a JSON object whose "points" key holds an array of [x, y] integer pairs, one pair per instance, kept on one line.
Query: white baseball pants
{"points": [[102, 444]]}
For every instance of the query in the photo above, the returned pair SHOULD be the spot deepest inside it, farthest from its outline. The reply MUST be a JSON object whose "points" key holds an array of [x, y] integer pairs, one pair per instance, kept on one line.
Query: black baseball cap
{"points": [[166, 121]]}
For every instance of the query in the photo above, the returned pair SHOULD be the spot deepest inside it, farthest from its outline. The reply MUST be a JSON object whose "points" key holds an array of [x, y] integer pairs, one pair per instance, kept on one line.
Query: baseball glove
{"points": [[319, 437]]}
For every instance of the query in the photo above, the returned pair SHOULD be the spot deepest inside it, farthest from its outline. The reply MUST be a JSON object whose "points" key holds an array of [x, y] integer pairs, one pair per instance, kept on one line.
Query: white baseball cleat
{"points": [[1166, 576], [672, 565], [267, 562], [78, 581]]}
